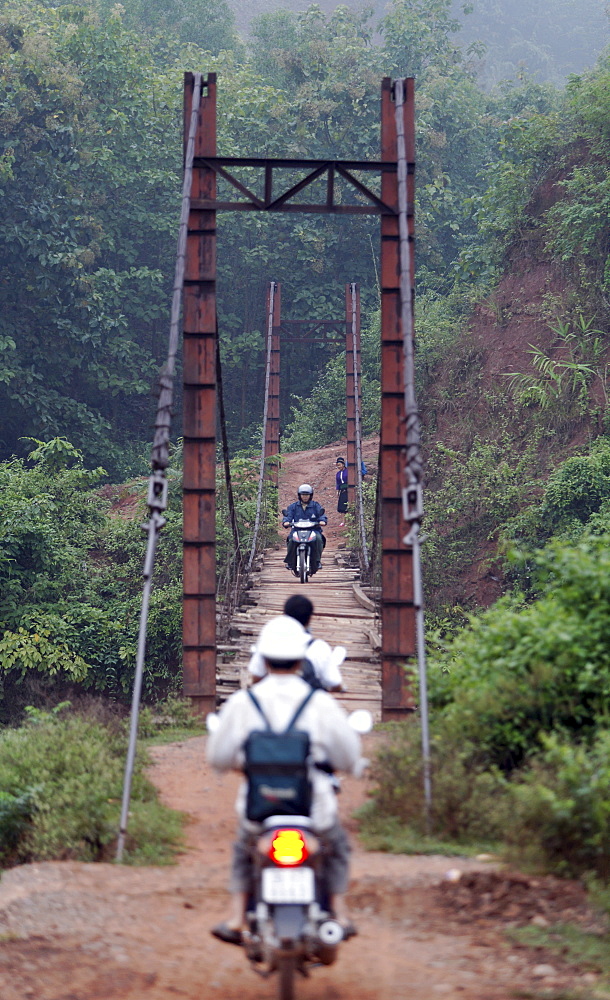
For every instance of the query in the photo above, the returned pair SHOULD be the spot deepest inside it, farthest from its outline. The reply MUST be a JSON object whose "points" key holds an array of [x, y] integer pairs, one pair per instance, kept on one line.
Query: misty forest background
{"points": [[513, 322]]}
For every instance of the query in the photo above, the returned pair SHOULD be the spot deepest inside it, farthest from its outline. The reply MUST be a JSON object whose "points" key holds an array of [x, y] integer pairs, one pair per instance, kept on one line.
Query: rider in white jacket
{"points": [[282, 644]]}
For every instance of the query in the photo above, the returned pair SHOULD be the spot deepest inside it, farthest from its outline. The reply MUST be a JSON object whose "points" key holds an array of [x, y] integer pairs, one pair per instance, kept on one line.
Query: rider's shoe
{"points": [[228, 934]]}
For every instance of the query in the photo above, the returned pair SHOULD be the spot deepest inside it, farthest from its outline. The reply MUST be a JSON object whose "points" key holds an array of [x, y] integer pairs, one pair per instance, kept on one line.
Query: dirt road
{"points": [[98, 932]]}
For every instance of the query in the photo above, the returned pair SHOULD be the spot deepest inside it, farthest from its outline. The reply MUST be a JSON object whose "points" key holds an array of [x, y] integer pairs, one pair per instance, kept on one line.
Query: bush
{"points": [[62, 784], [561, 819], [469, 801], [523, 670]]}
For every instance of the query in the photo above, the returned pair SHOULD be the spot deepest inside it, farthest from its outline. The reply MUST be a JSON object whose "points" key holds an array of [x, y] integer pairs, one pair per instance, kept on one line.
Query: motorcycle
{"points": [[303, 534], [291, 928]]}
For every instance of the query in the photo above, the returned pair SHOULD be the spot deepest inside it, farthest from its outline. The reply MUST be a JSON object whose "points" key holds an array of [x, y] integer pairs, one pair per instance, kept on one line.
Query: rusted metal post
{"points": [[272, 428], [199, 483], [352, 378], [397, 603]]}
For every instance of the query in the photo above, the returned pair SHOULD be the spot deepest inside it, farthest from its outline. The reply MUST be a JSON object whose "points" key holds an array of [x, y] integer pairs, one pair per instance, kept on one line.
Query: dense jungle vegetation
{"points": [[518, 458]]}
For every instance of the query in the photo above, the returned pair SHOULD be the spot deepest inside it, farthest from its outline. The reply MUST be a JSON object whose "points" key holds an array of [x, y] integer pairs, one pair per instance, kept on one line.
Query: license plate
{"points": [[288, 885]]}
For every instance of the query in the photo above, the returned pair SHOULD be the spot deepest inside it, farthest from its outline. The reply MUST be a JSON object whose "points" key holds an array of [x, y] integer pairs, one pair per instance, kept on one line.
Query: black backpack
{"points": [[276, 767], [308, 673]]}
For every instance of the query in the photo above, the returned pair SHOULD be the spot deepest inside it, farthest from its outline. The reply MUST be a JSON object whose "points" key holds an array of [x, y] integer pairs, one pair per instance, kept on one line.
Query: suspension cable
{"points": [[225, 449], [412, 500], [375, 553], [261, 476], [358, 427], [157, 483]]}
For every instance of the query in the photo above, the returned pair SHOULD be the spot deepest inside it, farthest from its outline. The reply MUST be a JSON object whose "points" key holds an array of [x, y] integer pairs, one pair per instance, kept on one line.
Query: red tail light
{"points": [[288, 848]]}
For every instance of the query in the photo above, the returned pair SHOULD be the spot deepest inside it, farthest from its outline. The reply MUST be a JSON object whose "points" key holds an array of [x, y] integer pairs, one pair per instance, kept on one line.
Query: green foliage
{"points": [[471, 493], [525, 151], [563, 378], [469, 802], [543, 40], [578, 221], [82, 279], [562, 805], [24, 652], [574, 501], [61, 779], [522, 670], [71, 575], [320, 417], [207, 24], [15, 814]]}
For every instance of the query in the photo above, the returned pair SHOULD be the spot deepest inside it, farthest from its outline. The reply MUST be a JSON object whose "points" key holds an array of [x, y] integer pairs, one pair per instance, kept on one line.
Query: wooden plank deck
{"points": [[338, 617]]}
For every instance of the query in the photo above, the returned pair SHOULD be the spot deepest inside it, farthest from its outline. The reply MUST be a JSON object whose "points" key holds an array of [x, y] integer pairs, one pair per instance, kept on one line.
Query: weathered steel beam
{"points": [[199, 480], [268, 163], [316, 171], [397, 607], [314, 208], [272, 429]]}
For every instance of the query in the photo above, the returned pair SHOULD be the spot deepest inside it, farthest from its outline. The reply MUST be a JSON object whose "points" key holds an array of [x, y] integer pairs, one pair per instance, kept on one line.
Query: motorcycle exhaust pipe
{"points": [[330, 932]]}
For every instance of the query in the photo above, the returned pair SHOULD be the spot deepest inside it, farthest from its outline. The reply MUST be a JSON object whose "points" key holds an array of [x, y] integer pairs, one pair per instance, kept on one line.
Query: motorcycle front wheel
{"points": [[302, 566], [286, 971]]}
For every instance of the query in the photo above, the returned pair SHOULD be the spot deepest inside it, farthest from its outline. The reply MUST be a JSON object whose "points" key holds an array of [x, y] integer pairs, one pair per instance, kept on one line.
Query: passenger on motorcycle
{"points": [[324, 664], [304, 509], [282, 644]]}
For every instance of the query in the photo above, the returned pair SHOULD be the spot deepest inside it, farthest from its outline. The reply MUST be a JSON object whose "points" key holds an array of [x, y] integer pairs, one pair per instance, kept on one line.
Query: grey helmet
{"points": [[305, 488]]}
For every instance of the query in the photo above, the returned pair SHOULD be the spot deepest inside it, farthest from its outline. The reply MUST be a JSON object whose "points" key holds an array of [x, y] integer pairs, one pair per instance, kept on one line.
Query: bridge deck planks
{"points": [[339, 619]]}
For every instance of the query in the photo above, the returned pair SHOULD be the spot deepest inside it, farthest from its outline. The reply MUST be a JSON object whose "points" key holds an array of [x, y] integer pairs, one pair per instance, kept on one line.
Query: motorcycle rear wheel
{"points": [[286, 971]]}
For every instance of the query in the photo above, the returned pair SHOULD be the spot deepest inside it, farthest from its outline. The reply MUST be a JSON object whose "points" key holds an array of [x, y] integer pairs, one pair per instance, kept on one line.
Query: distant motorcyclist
{"points": [[305, 509]]}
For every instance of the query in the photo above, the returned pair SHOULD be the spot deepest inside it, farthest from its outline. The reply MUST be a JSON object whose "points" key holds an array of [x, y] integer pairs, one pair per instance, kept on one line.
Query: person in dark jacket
{"points": [[305, 509], [341, 487]]}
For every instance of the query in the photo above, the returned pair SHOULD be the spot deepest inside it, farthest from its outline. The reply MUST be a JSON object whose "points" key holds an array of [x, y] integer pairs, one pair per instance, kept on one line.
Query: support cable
{"points": [[235, 564], [358, 427], [225, 450], [261, 477], [375, 573], [157, 483], [412, 500]]}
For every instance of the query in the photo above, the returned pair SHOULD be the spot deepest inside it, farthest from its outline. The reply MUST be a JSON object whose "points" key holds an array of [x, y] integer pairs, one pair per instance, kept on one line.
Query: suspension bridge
{"points": [[214, 184]]}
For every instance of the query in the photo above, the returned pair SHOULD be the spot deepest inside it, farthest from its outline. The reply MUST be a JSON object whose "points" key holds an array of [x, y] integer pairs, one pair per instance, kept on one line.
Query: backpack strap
{"points": [[290, 725], [257, 705], [300, 709]]}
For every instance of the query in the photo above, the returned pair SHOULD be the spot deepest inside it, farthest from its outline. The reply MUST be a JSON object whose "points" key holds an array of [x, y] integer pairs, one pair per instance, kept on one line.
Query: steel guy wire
{"points": [[157, 485]]}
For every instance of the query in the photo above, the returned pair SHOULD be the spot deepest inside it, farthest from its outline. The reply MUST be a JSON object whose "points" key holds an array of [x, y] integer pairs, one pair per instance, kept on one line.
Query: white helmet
{"points": [[282, 639], [305, 488]]}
